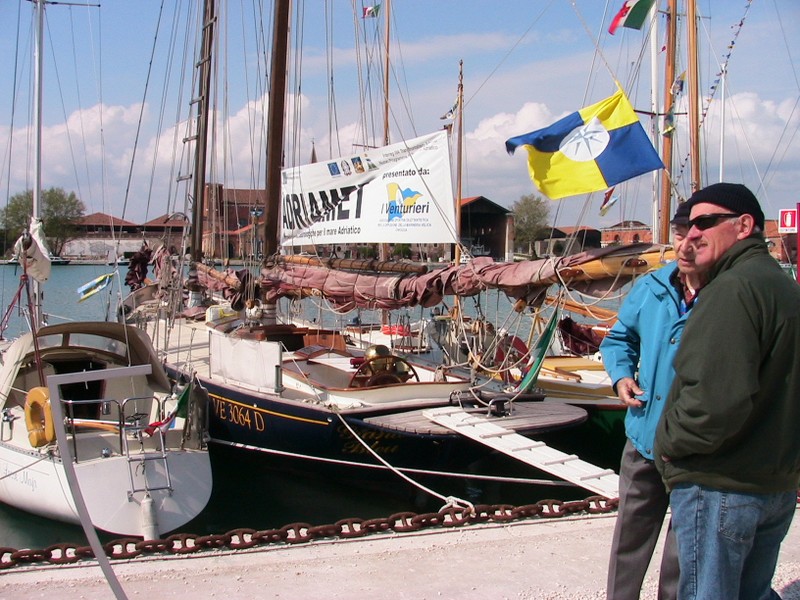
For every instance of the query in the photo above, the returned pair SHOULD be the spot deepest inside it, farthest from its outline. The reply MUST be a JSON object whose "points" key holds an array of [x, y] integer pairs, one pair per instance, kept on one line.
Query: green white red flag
{"points": [[632, 15]]}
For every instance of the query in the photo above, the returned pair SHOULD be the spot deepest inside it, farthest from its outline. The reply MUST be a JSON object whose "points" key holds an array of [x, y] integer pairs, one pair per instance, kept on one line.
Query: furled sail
{"points": [[595, 271], [32, 248]]}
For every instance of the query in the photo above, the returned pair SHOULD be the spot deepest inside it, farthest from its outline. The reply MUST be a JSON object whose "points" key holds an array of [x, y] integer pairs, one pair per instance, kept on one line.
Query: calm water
{"points": [[60, 300], [260, 492]]}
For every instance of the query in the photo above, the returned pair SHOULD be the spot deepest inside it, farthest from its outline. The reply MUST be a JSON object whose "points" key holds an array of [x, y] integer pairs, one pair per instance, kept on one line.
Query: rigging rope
{"points": [[449, 500]]}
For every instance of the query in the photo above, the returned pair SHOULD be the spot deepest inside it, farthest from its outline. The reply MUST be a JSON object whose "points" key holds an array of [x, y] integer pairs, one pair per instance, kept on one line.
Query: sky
{"points": [[116, 100]]}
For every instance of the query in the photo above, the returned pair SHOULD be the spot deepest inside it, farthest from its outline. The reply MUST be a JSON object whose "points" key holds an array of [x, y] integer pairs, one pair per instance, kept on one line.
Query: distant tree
{"points": [[59, 212], [402, 250], [531, 215]]}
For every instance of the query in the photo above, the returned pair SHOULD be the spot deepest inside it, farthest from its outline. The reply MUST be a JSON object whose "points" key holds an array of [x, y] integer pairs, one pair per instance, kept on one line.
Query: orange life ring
{"points": [[39, 417]]}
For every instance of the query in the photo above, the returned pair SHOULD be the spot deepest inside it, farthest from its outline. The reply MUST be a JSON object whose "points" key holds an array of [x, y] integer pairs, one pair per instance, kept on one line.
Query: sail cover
{"points": [[397, 193], [33, 250]]}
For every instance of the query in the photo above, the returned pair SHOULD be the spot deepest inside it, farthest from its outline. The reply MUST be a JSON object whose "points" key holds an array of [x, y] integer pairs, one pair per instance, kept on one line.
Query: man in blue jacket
{"points": [[727, 444], [637, 353]]}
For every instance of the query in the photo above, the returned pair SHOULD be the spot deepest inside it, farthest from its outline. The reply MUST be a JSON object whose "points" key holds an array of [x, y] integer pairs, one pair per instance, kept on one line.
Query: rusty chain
{"points": [[299, 533]]}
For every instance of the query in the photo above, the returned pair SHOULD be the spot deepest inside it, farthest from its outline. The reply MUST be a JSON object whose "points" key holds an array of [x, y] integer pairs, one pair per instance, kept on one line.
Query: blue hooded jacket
{"points": [[642, 344]]}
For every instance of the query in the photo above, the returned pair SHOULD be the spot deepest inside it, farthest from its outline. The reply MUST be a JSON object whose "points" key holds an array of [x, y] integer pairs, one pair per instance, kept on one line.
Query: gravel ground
{"points": [[555, 559]]}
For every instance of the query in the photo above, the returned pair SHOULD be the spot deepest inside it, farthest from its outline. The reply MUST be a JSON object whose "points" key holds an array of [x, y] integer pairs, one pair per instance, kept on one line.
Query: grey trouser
{"points": [[643, 503]]}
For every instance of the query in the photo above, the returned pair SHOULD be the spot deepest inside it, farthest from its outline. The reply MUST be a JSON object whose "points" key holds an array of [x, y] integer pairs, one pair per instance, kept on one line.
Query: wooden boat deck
{"points": [[527, 417]]}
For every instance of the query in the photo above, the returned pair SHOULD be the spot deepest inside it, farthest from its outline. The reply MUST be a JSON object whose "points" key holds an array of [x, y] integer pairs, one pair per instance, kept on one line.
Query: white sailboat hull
{"points": [[40, 487], [105, 430]]}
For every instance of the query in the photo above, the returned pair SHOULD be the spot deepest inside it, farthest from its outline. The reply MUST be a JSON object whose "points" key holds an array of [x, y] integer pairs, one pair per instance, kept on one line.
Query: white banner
{"points": [[402, 193]]}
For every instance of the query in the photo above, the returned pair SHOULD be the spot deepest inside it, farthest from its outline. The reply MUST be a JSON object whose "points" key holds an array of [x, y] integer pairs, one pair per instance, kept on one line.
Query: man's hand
{"points": [[627, 390]]}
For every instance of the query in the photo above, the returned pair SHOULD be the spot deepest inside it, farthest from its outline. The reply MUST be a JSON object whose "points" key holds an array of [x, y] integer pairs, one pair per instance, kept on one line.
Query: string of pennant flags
{"points": [[715, 84], [726, 58]]}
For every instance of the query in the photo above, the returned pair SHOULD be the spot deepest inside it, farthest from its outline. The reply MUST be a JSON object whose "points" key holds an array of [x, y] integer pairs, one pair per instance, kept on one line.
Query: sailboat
{"points": [[92, 431], [575, 374], [306, 391]]}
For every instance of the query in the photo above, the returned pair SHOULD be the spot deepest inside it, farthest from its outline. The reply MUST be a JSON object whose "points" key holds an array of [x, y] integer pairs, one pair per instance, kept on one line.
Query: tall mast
{"points": [[383, 249], [459, 158], [275, 127], [201, 133], [666, 140], [694, 94], [655, 118], [275, 124], [387, 25], [37, 161], [37, 108]]}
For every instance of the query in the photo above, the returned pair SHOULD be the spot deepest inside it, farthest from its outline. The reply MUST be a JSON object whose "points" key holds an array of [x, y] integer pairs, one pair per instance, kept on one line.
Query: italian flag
{"points": [[632, 15], [371, 11]]}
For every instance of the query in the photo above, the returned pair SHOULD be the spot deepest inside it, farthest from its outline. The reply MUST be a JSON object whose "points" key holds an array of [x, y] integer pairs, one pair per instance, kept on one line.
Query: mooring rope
{"points": [[450, 501]]}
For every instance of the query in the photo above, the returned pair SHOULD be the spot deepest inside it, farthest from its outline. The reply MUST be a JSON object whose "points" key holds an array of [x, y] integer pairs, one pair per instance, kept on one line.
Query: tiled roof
{"points": [[166, 221], [99, 219]]}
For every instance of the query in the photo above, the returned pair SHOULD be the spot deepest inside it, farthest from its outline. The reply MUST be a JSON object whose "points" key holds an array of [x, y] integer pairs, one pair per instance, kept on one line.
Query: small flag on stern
{"points": [[371, 11], [95, 285], [590, 150], [632, 15], [168, 422]]}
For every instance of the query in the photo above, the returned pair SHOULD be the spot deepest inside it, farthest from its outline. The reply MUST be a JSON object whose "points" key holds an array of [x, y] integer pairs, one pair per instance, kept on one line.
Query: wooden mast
{"points": [[201, 133], [383, 249], [275, 127], [459, 153], [694, 95], [666, 139], [387, 25]]}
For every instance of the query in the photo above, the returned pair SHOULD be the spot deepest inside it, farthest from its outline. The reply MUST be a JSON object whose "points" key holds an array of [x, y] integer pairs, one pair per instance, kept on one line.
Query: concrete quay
{"points": [[548, 559]]}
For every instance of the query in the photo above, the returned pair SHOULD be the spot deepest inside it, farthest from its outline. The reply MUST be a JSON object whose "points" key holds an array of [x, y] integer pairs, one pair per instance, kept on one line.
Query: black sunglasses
{"points": [[704, 222]]}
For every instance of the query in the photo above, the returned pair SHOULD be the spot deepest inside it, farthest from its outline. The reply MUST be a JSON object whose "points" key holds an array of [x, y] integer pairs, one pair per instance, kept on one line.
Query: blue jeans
{"points": [[728, 542]]}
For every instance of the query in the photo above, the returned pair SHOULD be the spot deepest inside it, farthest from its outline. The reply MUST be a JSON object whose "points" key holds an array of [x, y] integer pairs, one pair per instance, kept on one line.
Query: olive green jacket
{"points": [[732, 419]]}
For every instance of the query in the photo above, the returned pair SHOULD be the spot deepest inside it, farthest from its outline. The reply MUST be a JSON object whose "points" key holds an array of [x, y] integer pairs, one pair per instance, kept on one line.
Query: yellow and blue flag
{"points": [[589, 150], [95, 285]]}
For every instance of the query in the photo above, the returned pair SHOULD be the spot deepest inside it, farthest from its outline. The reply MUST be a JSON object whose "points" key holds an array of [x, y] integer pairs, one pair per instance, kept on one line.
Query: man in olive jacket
{"points": [[727, 445]]}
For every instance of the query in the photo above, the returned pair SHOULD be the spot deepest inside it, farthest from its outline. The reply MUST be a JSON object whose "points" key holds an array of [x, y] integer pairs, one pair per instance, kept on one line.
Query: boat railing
{"points": [[129, 424], [133, 429]]}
